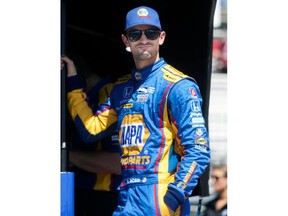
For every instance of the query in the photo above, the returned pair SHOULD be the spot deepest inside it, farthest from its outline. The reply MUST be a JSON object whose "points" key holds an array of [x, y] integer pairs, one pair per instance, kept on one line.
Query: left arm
{"points": [[185, 105]]}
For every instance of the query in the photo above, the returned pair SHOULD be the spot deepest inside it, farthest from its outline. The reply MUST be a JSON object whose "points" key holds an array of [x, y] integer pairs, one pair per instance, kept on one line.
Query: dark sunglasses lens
{"points": [[134, 35], [152, 34]]}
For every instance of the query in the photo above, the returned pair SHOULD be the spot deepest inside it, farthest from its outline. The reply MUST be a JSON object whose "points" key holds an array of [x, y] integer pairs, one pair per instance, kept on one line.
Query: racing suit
{"points": [[90, 187], [162, 134]]}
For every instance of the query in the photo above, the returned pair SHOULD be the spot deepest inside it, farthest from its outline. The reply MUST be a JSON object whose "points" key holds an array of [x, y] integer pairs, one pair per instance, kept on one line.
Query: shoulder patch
{"points": [[172, 74]]}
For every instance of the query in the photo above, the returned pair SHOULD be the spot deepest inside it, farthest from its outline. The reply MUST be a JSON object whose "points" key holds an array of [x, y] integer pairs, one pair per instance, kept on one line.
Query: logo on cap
{"points": [[142, 12], [142, 16]]}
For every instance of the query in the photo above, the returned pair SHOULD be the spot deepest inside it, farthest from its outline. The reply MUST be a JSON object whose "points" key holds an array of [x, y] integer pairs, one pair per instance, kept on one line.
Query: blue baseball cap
{"points": [[142, 16]]}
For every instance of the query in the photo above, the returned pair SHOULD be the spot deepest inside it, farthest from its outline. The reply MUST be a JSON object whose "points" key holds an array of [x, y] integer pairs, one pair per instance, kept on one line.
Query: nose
{"points": [[142, 33]]}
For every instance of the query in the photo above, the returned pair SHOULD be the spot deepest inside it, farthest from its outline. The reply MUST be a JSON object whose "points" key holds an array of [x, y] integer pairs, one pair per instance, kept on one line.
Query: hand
{"points": [[71, 69]]}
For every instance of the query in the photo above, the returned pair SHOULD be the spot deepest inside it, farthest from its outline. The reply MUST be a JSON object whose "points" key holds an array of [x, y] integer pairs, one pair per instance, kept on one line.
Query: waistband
{"points": [[161, 178]]}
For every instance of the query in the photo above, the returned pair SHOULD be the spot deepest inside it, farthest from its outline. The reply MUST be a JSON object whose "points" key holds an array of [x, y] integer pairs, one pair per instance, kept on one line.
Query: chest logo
{"points": [[128, 91]]}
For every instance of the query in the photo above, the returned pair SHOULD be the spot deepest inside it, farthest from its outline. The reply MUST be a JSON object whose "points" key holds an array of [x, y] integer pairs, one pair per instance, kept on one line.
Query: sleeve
{"points": [[185, 106], [110, 143], [91, 126]]}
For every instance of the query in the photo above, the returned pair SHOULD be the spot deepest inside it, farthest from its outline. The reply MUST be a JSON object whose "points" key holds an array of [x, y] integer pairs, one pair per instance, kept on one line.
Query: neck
{"points": [[140, 64]]}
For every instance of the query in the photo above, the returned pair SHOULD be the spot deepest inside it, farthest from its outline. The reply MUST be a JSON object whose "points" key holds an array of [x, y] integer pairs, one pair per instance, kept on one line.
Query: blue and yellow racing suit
{"points": [[162, 135], [88, 180]]}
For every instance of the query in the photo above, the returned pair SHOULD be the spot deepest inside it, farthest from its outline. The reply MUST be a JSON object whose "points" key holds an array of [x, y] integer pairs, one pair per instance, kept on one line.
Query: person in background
{"points": [[158, 113], [218, 205], [96, 165]]}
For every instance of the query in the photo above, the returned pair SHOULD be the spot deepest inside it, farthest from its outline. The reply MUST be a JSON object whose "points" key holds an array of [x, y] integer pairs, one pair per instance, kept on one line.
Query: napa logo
{"points": [[133, 134], [138, 76]]}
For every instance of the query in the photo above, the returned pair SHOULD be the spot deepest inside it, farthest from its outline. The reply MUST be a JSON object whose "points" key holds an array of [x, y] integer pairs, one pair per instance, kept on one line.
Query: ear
{"points": [[125, 40], [162, 37]]}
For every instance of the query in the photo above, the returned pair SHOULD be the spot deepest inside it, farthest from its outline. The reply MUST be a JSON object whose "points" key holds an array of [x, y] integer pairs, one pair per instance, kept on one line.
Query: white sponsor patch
{"points": [[142, 98], [195, 114], [198, 120], [201, 148], [198, 126], [114, 138]]}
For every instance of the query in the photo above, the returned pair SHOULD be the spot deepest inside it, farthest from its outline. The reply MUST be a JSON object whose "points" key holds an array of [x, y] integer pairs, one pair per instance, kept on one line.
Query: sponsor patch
{"points": [[182, 185], [198, 125], [138, 76], [129, 105], [193, 92], [201, 141], [136, 180], [114, 138], [142, 98], [196, 114], [132, 137], [128, 91], [199, 131], [146, 89], [195, 106], [197, 120], [201, 148], [138, 160], [190, 172]]}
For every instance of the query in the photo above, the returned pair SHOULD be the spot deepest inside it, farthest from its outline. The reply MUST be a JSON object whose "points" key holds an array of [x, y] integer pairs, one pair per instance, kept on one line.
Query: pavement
{"points": [[218, 118]]}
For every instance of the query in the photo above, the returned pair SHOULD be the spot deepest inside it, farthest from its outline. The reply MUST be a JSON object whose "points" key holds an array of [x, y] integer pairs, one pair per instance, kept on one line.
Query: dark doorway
{"points": [[93, 29]]}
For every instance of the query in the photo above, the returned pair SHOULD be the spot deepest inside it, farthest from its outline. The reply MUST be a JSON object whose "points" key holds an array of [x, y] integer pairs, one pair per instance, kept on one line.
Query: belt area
{"points": [[161, 178]]}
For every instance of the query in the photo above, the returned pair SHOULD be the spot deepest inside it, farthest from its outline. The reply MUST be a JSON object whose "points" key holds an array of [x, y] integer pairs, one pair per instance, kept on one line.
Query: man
{"points": [[96, 182], [157, 110], [217, 206]]}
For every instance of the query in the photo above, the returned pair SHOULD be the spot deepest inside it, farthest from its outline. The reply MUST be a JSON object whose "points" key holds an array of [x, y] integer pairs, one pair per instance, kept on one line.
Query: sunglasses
{"points": [[135, 35]]}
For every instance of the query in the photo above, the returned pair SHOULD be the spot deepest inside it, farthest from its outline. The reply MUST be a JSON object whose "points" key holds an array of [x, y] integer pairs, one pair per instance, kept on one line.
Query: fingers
{"points": [[71, 69], [66, 60], [62, 64]]}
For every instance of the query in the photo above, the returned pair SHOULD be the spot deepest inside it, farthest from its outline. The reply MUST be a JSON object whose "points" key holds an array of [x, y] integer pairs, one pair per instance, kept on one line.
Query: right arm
{"points": [[90, 126], [96, 162]]}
